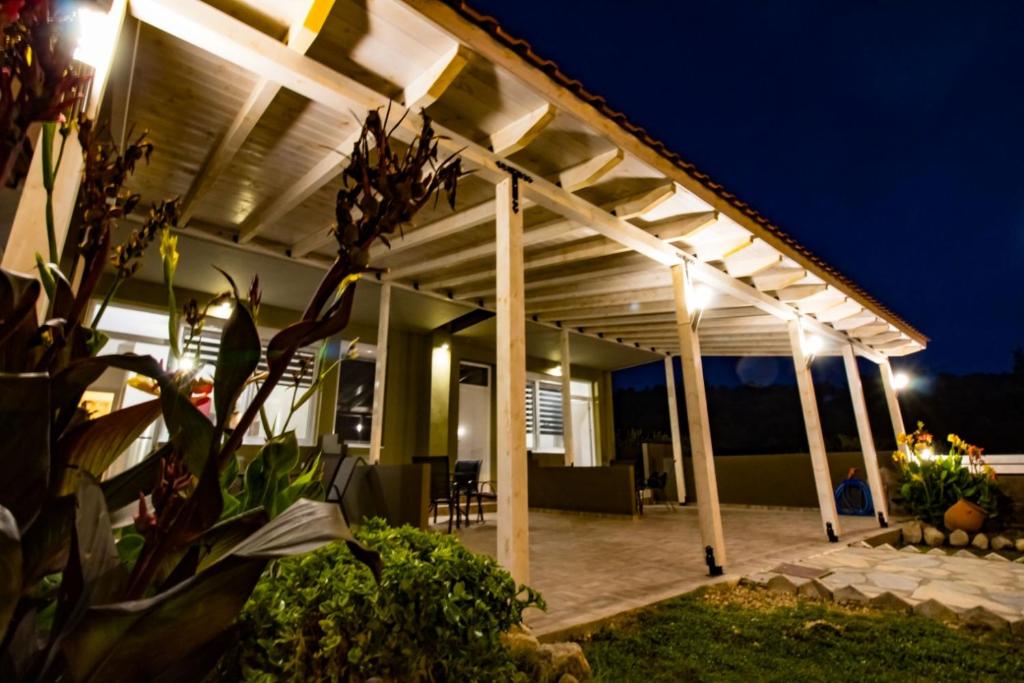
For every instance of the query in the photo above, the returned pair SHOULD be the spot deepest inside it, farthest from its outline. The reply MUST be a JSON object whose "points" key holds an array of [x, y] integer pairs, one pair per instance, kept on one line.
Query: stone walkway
{"points": [[589, 568], [981, 590]]}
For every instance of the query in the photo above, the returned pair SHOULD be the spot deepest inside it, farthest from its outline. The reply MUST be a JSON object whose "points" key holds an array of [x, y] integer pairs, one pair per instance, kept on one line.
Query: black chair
{"points": [[658, 483], [441, 489], [466, 481]]}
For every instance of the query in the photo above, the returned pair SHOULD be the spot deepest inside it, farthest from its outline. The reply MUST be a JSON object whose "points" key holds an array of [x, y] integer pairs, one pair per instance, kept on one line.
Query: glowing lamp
{"points": [[900, 381]]}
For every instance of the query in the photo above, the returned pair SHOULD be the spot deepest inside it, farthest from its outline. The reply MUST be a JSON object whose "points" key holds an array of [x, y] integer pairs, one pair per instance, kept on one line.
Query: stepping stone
{"points": [[798, 570], [935, 610], [815, 590], [885, 546], [964, 553], [863, 544], [997, 557], [888, 581], [781, 584], [981, 617], [936, 551], [849, 595], [760, 580], [890, 602], [910, 549]]}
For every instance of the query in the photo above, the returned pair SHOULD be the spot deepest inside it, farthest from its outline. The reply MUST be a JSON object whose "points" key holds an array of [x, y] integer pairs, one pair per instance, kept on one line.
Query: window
{"points": [[354, 413], [544, 415]]}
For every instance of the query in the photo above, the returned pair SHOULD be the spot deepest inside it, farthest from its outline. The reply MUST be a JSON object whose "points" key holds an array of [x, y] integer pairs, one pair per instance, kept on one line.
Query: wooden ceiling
{"points": [[253, 106]]}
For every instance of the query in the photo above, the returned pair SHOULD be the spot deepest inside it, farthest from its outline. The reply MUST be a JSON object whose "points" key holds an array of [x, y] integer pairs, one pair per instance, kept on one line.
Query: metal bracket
{"points": [[516, 175], [831, 533], [709, 559], [882, 522]]}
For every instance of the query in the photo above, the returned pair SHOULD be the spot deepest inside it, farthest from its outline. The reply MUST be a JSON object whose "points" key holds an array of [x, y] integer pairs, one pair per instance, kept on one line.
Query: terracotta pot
{"points": [[964, 515]]}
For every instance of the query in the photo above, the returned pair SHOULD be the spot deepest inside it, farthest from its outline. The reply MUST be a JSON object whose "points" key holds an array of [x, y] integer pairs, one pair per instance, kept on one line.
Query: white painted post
{"points": [[867, 440], [677, 439], [567, 433], [812, 423], [709, 513], [380, 373], [513, 511], [892, 400]]}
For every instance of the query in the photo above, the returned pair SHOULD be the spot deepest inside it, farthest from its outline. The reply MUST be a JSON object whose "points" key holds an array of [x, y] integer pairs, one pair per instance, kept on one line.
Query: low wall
{"points": [[784, 480], [399, 493], [604, 490]]}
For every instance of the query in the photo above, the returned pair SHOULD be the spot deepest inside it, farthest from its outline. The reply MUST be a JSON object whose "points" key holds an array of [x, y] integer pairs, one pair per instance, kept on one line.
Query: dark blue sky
{"points": [[888, 137]]}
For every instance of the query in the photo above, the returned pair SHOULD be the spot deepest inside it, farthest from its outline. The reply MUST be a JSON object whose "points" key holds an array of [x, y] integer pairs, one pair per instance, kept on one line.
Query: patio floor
{"points": [[589, 568]]}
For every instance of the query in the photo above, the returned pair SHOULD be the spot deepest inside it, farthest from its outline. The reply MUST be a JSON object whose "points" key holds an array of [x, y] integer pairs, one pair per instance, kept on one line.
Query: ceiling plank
{"points": [[301, 35], [520, 133], [591, 171]]}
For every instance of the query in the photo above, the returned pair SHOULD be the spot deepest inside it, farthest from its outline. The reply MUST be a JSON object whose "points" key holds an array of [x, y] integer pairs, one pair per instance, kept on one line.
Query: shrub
{"points": [[436, 615]]}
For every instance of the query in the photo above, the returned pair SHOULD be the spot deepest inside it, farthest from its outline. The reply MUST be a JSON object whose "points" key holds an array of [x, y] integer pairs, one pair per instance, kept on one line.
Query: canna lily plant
{"points": [[84, 597]]}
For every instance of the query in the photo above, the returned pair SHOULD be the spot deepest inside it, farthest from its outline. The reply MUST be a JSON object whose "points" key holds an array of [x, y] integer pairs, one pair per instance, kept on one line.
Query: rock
{"points": [[964, 553], [959, 538], [933, 536], [522, 646], [913, 532], [566, 659], [759, 580], [890, 602], [980, 542], [815, 590], [910, 549], [782, 584], [885, 546], [849, 595], [982, 617], [568, 678], [1000, 543], [935, 610], [936, 551], [1019, 545], [1019, 560], [997, 557]]}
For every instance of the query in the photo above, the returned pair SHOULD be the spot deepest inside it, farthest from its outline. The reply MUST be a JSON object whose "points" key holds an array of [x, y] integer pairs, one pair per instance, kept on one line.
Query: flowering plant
{"points": [[931, 482]]}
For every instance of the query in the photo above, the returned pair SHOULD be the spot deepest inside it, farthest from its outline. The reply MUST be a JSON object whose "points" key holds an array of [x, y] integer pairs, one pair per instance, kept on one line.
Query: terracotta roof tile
{"points": [[554, 72]]}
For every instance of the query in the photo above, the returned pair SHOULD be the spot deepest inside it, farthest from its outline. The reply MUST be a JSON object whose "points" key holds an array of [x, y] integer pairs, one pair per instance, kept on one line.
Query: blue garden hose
{"points": [[853, 497]]}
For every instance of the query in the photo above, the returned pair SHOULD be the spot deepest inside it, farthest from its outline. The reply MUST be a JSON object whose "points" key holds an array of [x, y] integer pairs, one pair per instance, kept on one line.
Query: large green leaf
{"points": [[92, 446], [24, 448], [237, 358], [18, 321], [137, 640], [102, 572], [124, 488], [10, 567]]}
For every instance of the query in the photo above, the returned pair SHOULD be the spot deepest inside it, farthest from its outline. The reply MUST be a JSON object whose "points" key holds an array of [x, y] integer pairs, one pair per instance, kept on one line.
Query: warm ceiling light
{"points": [[222, 310], [97, 37], [701, 297], [900, 380], [814, 344]]}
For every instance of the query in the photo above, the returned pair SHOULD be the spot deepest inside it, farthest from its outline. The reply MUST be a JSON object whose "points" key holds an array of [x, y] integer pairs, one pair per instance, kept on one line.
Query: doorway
{"points": [[474, 430]]}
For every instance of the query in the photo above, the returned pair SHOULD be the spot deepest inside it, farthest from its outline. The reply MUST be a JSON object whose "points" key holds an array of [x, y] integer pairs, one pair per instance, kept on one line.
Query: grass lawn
{"points": [[749, 634]]}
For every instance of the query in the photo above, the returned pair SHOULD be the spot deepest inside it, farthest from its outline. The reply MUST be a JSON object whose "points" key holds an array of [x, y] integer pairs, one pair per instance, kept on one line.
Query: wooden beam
{"points": [[709, 513], [812, 424], [591, 171], [648, 201], [867, 440], [513, 512], [521, 132], [300, 38], [677, 439], [380, 370], [428, 87], [778, 278], [568, 437]]}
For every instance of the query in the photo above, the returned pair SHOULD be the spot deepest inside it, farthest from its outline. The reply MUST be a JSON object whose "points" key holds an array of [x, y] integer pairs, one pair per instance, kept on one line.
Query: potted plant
{"points": [[957, 488]]}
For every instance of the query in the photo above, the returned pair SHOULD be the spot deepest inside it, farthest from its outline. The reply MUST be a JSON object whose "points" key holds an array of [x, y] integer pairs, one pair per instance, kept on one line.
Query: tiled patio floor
{"points": [[589, 568]]}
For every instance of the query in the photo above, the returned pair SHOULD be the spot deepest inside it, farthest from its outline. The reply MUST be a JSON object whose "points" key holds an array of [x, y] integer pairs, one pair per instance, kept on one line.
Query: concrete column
{"points": [[380, 373], [705, 481], [677, 439], [867, 440], [568, 438], [812, 423], [513, 512]]}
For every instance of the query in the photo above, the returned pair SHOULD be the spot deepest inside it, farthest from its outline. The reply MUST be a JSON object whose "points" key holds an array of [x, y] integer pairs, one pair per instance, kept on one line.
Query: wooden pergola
{"points": [[572, 217]]}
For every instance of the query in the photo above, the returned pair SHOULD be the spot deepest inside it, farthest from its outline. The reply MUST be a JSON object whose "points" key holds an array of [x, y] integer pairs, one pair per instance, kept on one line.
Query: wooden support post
{"points": [[380, 371], [567, 433], [708, 511], [677, 439], [513, 511], [815, 438], [867, 440], [892, 400]]}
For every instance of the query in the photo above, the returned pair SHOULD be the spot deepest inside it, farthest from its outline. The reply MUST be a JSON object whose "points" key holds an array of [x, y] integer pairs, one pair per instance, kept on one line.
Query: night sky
{"points": [[887, 137]]}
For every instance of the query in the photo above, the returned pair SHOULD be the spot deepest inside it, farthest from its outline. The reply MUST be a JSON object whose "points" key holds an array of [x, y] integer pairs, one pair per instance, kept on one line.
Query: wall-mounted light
{"points": [[444, 346], [554, 371], [700, 298], [97, 39], [813, 344], [900, 380], [222, 310]]}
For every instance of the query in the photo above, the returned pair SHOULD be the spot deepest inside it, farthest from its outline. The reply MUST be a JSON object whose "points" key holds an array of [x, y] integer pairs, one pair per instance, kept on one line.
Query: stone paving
{"points": [[988, 590], [589, 568]]}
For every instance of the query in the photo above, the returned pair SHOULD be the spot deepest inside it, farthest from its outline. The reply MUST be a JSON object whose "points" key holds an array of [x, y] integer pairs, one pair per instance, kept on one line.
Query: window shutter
{"points": [[530, 403], [550, 408]]}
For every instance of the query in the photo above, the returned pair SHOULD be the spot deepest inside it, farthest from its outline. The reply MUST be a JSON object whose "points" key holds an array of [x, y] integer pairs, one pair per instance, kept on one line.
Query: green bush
{"points": [[436, 615]]}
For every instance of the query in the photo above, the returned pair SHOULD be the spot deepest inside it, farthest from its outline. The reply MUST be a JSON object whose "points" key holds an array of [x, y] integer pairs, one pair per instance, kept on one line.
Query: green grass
{"points": [[748, 634]]}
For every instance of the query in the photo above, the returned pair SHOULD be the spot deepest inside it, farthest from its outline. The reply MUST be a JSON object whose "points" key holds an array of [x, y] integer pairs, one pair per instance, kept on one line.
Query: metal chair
{"points": [[466, 482], [441, 489]]}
